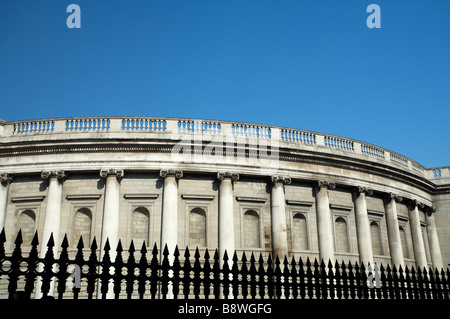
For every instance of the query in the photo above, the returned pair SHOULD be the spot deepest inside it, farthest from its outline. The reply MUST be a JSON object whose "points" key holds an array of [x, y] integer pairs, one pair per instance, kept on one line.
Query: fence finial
{"points": [[51, 241], [143, 248], [65, 242], [131, 250]]}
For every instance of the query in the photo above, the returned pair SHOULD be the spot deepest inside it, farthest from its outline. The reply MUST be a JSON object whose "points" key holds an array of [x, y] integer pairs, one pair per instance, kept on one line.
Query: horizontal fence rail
{"points": [[189, 274]]}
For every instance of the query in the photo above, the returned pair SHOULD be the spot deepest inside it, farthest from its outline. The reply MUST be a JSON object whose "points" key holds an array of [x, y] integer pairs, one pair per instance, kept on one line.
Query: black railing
{"points": [[158, 274]]}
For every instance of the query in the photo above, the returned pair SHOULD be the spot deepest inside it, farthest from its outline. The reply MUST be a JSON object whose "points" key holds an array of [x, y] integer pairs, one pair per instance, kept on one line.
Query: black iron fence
{"points": [[189, 274]]}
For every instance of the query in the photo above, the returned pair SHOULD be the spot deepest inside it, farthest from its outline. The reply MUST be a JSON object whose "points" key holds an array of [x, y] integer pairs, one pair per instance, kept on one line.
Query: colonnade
{"points": [[169, 228]]}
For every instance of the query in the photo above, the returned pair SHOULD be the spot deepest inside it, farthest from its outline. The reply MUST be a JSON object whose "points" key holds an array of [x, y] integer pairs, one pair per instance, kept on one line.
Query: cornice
{"points": [[165, 146]]}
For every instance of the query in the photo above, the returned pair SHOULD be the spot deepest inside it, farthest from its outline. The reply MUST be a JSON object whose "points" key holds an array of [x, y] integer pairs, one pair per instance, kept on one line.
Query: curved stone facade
{"points": [[217, 184]]}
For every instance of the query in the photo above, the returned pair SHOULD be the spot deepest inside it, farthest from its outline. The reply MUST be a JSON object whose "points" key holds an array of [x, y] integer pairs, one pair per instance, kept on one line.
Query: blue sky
{"points": [[305, 64]]}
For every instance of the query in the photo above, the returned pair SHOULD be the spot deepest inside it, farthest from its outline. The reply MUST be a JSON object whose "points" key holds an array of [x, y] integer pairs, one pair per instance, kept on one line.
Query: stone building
{"points": [[217, 184]]}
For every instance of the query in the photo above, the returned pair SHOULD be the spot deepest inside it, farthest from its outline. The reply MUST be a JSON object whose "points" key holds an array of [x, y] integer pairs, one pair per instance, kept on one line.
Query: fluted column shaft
{"points": [[395, 243], [363, 226], [279, 229], [433, 240], [417, 238], [5, 180], [226, 214], [324, 222]]}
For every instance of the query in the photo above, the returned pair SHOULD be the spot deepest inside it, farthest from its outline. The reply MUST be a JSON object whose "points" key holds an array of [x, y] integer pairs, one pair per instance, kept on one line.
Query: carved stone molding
{"points": [[60, 175], [119, 173], [171, 172], [222, 175], [329, 185], [6, 179], [281, 179]]}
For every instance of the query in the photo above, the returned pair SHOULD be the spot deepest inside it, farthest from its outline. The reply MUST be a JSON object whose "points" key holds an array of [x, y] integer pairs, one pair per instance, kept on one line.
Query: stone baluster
{"points": [[324, 221], [395, 243], [433, 240], [52, 220], [363, 226], [416, 232], [5, 180], [226, 214], [279, 229]]}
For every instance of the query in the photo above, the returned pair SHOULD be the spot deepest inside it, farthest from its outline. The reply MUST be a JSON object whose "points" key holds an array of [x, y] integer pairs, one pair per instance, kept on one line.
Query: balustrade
{"points": [[298, 136], [372, 150], [34, 127], [191, 126], [250, 130], [197, 127], [399, 159], [87, 124], [143, 124], [339, 143]]}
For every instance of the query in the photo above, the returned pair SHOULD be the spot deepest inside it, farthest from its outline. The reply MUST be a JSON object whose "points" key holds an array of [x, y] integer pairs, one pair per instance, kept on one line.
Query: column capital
{"points": [[281, 179], [6, 179], [329, 185], [112, 171], [171, 172], [363, 190], [392, 196], [60, 175], [429, 210], [415, 203], [222, 175]]}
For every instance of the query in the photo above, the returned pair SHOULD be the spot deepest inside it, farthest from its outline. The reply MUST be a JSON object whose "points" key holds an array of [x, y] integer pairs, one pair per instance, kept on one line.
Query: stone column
{"points": [[226, 214], [5, 180], [324, 222], [110, 222], [169, 223], [395, 243], [279, 229], [433, 240], [417, 238], [169, 231], [52, 220], [363, 226]]}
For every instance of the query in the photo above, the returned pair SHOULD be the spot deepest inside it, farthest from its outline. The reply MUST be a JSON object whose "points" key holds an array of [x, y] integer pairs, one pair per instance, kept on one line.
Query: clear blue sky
{"points": [[306, 64]]}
